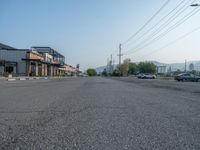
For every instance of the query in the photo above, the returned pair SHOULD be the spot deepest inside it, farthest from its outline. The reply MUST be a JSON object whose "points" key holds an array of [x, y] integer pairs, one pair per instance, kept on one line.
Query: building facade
{"points": [[54, 59], [70, 70], [37, 61], [35, 64], [11, 60], [161, 69]]}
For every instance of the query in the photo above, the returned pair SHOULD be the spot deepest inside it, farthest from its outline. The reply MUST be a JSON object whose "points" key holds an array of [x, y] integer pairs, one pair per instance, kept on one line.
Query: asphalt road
{"points": [[99, 114]]}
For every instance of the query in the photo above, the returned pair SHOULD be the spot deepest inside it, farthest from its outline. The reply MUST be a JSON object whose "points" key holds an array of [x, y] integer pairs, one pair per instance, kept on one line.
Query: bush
{"points": [[91, 72]]}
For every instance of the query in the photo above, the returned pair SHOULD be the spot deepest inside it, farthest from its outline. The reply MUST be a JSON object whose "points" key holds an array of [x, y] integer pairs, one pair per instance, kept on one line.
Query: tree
{"points": [[116, 73], [91, 72], [125, 67], [104, 73], [146, 67], [132, 68]]}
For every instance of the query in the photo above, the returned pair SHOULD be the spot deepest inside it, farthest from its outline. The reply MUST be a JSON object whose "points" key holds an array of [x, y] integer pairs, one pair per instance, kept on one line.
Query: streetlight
{"points": [[195, 5]]}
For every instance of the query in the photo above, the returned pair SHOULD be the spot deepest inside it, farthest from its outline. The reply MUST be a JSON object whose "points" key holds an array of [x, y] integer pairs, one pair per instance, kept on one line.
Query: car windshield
{"points": [[99, 75]]}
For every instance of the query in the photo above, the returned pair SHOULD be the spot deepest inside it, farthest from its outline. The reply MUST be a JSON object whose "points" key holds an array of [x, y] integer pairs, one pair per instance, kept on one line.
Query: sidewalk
{"points": [[2, 78], [23, 78]]}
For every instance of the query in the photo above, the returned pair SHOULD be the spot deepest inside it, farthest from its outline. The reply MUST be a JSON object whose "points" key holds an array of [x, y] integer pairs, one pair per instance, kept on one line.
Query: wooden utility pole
{"points": [[120, 55]]}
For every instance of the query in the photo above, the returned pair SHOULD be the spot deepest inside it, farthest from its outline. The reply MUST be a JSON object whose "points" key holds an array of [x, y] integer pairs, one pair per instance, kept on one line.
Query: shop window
{"points": [[9, 69]]}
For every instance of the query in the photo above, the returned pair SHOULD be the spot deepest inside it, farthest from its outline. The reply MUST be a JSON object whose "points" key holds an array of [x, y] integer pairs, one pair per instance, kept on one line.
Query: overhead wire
{"points": [[159, 22], [163, 26], [136, 33], [181, 21], [172, 42]]}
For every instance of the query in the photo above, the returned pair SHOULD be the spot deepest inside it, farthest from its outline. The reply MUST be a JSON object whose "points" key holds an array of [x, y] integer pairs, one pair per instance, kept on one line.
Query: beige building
{"points": [[70, 70], [35, 64]]}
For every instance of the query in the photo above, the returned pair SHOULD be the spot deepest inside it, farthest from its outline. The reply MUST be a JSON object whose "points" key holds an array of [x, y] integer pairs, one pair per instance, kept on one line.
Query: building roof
{"points": [[3, 46], [9, 48], [46, 49]]}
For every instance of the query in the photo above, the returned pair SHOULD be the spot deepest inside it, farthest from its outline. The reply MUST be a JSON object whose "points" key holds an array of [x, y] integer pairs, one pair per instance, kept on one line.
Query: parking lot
{"points": [[99, 113], [191, 87]]}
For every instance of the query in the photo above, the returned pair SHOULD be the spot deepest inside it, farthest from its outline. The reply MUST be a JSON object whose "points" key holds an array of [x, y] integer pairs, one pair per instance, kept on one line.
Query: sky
{"points": [[87, 32]]}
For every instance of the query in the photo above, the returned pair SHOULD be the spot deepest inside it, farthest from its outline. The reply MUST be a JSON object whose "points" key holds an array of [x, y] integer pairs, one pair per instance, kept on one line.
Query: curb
{"points": [[30, 78], [24, 78], [11, 79]]}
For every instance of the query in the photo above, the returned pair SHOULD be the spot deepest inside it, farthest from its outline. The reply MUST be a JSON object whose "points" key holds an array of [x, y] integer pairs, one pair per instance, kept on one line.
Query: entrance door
{"points": [[33, 69], [39, 70]]}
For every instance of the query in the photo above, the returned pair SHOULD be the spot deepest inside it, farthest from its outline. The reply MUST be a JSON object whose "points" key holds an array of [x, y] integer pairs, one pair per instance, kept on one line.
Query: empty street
{"points": [[95, 113]]}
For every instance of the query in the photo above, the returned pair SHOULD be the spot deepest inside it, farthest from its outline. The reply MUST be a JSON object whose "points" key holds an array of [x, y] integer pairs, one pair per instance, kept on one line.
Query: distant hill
{"points": [[100, 69], [174, 66]]}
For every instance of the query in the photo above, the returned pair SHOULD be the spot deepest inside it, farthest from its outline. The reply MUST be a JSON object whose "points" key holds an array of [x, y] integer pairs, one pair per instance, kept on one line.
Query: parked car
{"points": [[146, 76], [187, 77], [139, 75]]}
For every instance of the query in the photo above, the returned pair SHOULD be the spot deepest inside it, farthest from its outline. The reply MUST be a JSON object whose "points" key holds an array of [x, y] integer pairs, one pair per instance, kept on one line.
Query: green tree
{"points": [[125, 67], [116, 73], [104, 73], [132, 68], [91, 72], [146, 67]]}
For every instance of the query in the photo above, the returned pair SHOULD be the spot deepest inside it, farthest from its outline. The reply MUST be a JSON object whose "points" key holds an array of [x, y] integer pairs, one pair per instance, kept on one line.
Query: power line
{"points": [[171, 43], [163, 6], [185, 18], [169, 29], [163, 18], [162, 26]]}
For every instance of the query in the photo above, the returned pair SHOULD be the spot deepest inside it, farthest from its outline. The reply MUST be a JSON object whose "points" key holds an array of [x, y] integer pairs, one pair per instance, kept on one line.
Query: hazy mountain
{"points": [[101, 68]]}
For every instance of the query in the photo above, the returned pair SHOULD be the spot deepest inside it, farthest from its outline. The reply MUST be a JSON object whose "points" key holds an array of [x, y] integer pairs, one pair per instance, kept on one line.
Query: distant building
{"points": [[161, 69], [169, 70], [70, 71], [191, 67]]}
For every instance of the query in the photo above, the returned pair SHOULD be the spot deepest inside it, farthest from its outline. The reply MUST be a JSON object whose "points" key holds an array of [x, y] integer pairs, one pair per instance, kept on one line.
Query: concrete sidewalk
{"points": [[23, 78]]}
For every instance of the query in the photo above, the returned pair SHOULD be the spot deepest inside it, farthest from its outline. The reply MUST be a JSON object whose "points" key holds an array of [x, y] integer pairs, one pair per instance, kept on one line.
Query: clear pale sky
{"points": [[88, 31]]}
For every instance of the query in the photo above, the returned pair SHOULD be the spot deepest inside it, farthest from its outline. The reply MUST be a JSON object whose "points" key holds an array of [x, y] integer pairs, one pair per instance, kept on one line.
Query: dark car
{"points": [[187, 77]]}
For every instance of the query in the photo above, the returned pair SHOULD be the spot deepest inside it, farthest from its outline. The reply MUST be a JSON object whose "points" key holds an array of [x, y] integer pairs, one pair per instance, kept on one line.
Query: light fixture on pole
{"points": [[194, 5]]}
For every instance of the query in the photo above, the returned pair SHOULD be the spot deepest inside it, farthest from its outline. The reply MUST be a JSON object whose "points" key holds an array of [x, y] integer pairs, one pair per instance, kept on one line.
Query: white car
{"points": [[146, 76]]}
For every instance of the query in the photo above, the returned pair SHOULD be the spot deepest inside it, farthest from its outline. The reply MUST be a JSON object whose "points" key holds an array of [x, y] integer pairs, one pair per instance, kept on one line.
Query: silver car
{"points": [[146, 76]]}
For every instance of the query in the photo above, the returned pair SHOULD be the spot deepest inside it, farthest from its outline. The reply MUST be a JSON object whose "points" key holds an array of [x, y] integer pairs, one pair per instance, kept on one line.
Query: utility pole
{"points": [[111, 61], [107, 68], [120, 55], [185, 65], [113, 64]]}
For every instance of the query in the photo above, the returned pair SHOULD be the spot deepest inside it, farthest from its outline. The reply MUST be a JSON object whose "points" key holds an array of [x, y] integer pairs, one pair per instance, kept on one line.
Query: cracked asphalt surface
{"points": [[99, 114]]}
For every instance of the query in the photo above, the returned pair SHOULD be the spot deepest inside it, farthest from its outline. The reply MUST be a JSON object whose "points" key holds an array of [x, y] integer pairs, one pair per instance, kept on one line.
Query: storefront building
{"points": [[37, 61], [11, 60]]}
